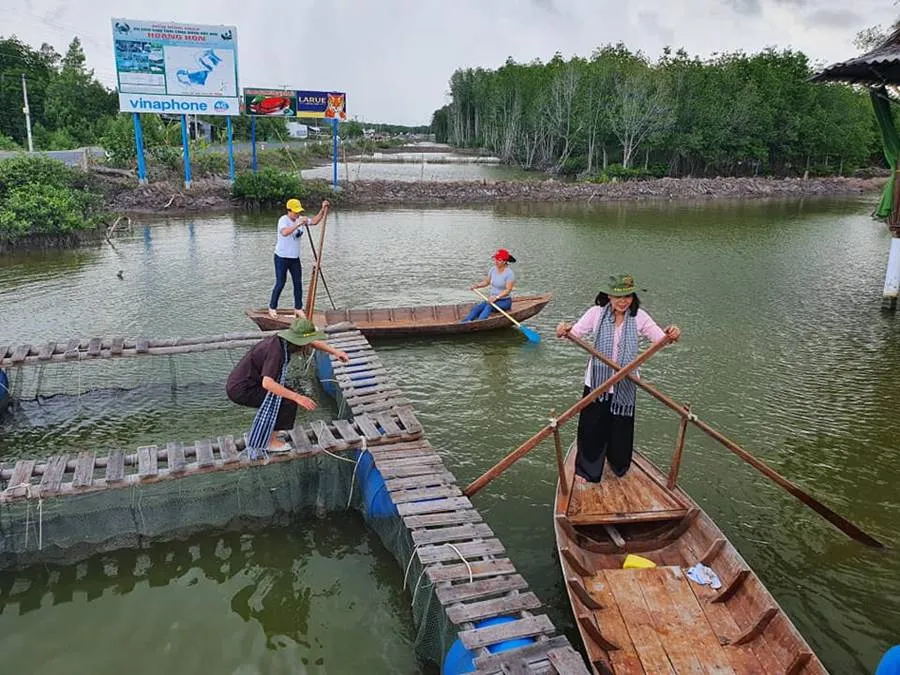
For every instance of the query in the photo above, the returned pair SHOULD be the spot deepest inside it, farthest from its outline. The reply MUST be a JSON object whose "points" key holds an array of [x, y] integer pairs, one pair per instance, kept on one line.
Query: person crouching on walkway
{"points": [[501, 280], [257, 381], [287, 253], [606, 426]]}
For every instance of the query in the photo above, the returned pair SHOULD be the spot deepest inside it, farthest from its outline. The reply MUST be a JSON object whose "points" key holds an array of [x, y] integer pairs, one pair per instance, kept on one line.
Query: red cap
{"points": [[502, 255]]}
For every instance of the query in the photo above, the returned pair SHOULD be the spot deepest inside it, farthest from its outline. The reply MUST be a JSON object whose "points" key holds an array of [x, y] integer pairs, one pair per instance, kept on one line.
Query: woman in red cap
{"points": [[501, 279]]}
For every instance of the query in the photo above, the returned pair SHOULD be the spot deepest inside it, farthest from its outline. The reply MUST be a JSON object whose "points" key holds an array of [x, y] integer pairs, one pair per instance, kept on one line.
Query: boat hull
{"points": [[410, 321]]}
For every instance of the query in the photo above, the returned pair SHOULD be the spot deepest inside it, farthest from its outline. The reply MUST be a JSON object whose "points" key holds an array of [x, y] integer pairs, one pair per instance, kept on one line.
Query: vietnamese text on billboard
{"points": [[174, 67]]}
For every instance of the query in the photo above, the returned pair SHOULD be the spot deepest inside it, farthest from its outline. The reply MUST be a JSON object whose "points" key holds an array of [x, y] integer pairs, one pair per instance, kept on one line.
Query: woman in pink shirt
{"points": [[606, 426]]}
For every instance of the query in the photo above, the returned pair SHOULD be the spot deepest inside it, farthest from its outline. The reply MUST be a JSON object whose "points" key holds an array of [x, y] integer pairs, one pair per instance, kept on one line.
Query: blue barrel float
{"points": [[4, 391], [890, 662], [460, 660]]}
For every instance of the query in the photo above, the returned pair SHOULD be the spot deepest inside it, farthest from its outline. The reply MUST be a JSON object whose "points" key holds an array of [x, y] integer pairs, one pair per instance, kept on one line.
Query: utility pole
{"points": [[27, 114]]}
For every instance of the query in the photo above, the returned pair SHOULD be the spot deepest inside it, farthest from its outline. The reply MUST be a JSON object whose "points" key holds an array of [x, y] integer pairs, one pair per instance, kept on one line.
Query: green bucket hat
{"points": [[620, 285], [301, 332]]}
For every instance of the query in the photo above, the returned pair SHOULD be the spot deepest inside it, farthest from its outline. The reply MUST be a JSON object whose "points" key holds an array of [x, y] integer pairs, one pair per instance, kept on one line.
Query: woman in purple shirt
{"points": [[606, 426]]}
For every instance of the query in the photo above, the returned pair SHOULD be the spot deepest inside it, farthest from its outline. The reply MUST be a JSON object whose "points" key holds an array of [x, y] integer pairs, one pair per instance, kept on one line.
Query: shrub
{"points": [[209, 163], [6, 143], [271, 187], [36, 169], [45, 209]]}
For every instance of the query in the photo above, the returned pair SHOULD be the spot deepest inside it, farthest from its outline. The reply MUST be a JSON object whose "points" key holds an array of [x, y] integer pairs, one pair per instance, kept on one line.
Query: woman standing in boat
{"points": [[606, 426], [501, 279], [287, 253]]}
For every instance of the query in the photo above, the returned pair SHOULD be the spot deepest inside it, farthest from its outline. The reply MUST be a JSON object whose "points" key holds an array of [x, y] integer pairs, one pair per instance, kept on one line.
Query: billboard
{"points": [[176, 67], [270, 102], [323, 104]]}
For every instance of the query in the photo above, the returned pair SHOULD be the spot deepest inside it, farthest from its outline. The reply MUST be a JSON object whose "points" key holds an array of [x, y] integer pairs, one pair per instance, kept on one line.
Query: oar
{"points": [[835, 519], [321, 272], [533, 442], [526, 331]]}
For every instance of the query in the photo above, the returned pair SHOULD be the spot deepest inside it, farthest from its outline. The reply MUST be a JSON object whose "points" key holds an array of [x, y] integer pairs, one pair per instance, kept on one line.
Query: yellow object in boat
{"points": [[636, 562]]}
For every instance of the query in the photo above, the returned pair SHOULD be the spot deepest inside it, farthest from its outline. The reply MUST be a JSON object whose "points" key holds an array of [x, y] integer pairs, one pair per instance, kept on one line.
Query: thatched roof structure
{"points": [[878, 67]]}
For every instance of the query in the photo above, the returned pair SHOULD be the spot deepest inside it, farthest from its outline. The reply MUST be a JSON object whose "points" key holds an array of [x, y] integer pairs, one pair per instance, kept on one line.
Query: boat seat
{"points": [[633, 498]]}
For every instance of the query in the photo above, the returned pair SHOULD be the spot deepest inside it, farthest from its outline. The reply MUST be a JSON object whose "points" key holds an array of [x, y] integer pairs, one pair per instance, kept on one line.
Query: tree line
{"points": [[732, 114]]}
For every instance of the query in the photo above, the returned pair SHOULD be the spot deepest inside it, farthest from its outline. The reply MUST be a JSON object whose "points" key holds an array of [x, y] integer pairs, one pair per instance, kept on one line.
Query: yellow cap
{"points": [[294, 205], [636, 562]]}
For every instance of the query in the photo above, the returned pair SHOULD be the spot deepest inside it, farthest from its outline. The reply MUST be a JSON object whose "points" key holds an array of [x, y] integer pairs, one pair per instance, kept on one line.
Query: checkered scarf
{"points": [[264, 422], [624, 392]]}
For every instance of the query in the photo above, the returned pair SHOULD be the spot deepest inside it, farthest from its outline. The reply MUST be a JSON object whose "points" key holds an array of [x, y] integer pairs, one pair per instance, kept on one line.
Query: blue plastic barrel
{"points": [[376, 500], [460, 660], [325, 373], [890, 662], [4, 390]]}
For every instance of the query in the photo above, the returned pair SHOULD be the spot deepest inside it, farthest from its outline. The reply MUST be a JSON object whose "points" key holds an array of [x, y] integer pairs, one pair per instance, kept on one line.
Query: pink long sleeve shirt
{"points": [[590, 322]]}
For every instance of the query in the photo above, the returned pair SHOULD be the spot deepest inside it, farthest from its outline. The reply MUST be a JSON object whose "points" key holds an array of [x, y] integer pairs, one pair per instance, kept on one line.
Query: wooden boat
{"points": [[657, 620], [420, 320]]}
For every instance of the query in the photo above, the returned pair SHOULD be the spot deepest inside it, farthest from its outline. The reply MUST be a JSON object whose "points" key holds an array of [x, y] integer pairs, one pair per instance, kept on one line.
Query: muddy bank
{"points": [[213, 195], [47, 242]]}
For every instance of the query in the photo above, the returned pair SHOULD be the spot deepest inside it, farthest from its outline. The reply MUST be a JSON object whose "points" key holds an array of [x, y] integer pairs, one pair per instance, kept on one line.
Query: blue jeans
{"points": [[482, 310], [282, 267]]}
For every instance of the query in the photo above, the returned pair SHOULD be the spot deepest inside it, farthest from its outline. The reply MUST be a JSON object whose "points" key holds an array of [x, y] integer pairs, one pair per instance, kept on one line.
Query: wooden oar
{"points": [[532, 442], [835, 519], [526, 331], [321, 271], [313, 283]]}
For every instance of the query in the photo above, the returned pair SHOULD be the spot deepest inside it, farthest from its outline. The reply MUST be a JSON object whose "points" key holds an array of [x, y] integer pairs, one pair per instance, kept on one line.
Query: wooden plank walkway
{"points": [[91, 349], [458, 554], [472, 577]]}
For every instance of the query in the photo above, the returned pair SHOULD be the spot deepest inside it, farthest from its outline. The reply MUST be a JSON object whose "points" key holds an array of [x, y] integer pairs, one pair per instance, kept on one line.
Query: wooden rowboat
{"points": [[421, 320], [657, 620]]}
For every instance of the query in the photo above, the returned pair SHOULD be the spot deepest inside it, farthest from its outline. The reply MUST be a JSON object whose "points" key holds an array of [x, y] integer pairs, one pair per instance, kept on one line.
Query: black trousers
{"points": [[287, 411], [602, 436]]}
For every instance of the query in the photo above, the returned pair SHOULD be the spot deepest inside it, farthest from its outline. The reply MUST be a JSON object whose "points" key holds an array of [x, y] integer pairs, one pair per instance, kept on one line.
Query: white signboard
{"points": [[176, 67]]}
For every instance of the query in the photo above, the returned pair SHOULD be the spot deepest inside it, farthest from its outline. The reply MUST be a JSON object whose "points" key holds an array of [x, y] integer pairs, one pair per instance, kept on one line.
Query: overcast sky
{"points": [[394, 58]]}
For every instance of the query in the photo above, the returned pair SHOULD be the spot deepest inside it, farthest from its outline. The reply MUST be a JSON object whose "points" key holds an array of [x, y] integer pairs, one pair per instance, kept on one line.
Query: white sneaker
{"points": [[273, 313], [299, 313]]}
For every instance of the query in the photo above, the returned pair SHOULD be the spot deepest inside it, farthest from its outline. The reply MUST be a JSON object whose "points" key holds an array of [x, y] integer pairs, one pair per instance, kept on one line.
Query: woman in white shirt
{"points": [[287, 253], [606, 426]]}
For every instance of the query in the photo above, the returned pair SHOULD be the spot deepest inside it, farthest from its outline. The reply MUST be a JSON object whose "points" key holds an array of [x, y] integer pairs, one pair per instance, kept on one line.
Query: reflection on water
{"points": [[420, 171], [284, 600], [784, 349]]}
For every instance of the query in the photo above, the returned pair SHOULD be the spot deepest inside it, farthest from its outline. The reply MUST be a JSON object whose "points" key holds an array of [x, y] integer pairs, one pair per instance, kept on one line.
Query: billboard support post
{"points": [[139, 149], [185, 142], [334, 154], [253, 144], [230, 132]]}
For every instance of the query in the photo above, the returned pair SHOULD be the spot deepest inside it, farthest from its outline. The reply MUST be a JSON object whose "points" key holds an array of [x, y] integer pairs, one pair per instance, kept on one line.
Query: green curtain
{"points": [[891, 143]]}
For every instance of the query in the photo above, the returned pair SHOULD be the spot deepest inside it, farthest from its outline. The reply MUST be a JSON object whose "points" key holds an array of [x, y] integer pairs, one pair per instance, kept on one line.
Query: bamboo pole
{"points": [[526, 447], [313, 283], [832, 517], [679, 449]]}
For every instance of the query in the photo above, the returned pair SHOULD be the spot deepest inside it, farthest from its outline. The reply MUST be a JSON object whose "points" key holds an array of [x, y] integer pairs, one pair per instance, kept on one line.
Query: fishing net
{"points": [[158, 399]]}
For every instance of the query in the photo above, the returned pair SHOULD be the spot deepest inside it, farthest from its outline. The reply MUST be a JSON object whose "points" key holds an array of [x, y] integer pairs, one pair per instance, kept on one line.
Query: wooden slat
{"points": [[463, 532], [53, 474], [300, 440], [84, 470], [142, 345], [71, 349], [441, 519], [579, 591], [732, 586], [713, 550], [175, 454], [436, 506], [228, 449], [346, 430], [367, 427], [115, 467], [575, 560], [447, 595], [409, 470], [581, 518], [566, 660], [4, 349], [483, 609], [404, 496], [117, 345], [94, 346], [323, 433], [21, 478], [387, 423], [428, 480], [799, 663], [478, 569], [46, 351], [20, 353], [147, 462], [489, 663], [409, 420], [460, 550], [527, 627], [432, 462], [204, 453], [754, 631]]}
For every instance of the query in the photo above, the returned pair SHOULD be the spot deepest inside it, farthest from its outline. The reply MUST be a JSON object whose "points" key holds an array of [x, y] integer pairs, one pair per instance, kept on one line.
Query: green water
{"points": [[785, 349]]}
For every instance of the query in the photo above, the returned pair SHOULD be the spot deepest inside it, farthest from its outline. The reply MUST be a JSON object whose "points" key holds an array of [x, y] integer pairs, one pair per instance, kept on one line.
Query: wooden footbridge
{"points": [[471, 575]]}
